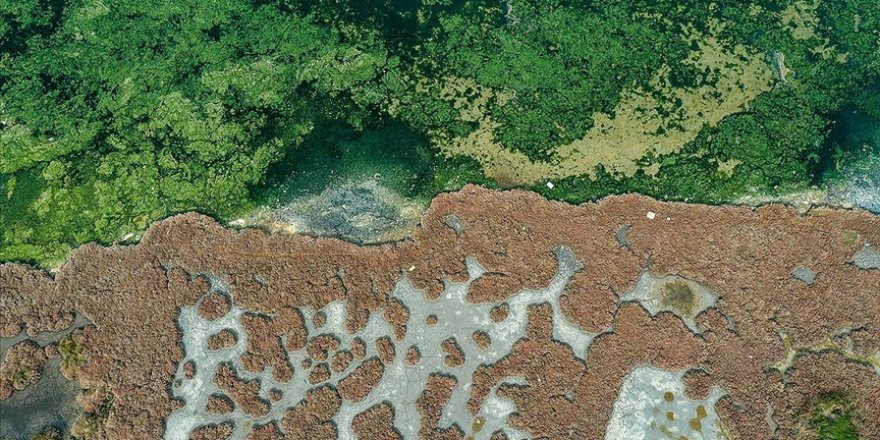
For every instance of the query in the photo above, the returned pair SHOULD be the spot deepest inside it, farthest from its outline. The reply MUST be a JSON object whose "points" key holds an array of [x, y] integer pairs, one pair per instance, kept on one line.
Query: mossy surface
{"points": [[72, 354], [50, 433], [833, 417]]}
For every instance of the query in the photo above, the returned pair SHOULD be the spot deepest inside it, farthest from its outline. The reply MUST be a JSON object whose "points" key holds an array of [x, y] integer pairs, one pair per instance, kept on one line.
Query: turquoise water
{"points": [[853, 144], [396, 156], [856, 131], [851, 167]]}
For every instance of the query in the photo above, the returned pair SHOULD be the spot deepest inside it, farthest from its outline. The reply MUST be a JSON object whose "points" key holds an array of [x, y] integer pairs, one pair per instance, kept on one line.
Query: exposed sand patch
{"points": [[683, 297], [653, 405], [641, 123]]}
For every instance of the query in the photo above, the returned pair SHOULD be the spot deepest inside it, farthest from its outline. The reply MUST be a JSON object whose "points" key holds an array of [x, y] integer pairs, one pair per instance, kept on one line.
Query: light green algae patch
{"points": [[636, 126], [839, 343]]}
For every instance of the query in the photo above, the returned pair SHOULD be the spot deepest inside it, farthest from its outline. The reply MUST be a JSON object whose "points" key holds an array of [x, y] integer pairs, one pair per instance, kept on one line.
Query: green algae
{"points": [[833, 417], [828, 344]]}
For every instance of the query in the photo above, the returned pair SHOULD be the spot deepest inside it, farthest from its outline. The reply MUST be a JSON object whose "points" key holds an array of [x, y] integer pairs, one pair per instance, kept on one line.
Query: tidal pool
{"points": [[451, 317], [652, 405], [49, 402]]}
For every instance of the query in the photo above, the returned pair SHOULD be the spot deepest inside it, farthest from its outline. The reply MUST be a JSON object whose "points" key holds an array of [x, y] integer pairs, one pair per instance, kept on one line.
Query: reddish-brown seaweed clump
{"points": [[312, 418], [265, 348], [214, 306], [22, 367], [219, 404], [134, 294], [454, 356], [376, 423], [244, 393], [221, 340], [361, 381], [212, 432]]}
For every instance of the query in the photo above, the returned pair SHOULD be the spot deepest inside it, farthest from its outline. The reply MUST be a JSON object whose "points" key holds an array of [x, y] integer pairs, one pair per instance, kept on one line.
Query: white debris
{"points": [[550, 184], [651, 215]]}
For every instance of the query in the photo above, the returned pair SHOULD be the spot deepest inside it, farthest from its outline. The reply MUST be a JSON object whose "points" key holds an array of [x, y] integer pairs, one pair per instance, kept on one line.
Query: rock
{"points": [[867, 258], [804, 274], [363, 213]]}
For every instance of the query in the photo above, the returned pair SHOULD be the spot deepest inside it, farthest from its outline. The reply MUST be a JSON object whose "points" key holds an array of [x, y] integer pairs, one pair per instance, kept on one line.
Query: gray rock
{"points": [[867, 258], [454, 223], [362, 213], [804, 274], [621, 236]]}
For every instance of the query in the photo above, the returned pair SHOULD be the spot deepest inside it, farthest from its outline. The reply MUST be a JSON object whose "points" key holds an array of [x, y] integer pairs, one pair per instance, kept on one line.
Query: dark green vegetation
{"points": [[832, 418], [115, 114]]}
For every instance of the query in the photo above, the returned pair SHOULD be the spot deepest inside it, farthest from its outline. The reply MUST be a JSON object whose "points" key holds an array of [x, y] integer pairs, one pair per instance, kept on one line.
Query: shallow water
{"points": [[652, 405], [49, 402], [854, 128], [395, 156], [855, 179], [402, 382], [671, 293], [43, 339], [363, 213]]}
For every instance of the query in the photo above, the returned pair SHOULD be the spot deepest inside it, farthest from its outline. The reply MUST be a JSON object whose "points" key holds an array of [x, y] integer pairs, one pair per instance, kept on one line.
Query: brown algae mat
{"points": [[505, 315]]}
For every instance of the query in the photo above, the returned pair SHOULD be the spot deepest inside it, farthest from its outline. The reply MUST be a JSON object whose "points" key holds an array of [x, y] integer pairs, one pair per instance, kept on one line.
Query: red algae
{"points": [[133, 295]]}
